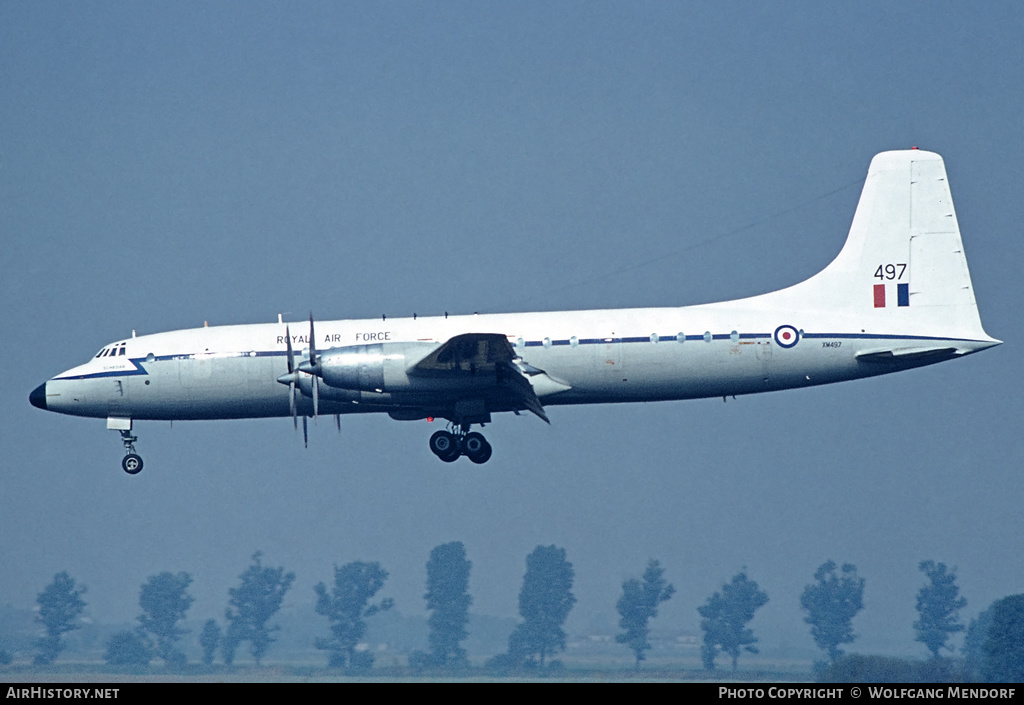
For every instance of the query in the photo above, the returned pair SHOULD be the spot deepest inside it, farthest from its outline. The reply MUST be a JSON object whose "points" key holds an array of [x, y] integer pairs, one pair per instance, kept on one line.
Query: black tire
{"points": [[476, 448], [132, 464], [445, 446]]}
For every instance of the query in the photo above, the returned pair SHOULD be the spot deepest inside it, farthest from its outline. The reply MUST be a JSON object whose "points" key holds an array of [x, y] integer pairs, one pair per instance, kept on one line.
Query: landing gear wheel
{"points": [[476, 448], [132, 464], [445, 446]]}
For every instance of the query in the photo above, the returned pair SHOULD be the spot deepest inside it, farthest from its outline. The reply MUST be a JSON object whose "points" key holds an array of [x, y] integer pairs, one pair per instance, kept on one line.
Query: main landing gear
{"points": [[449, 446], [132, 462]]}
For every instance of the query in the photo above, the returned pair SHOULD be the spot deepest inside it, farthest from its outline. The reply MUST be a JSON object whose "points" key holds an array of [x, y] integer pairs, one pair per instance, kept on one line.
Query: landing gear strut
{"points": [[132, 462], [448, 446]]}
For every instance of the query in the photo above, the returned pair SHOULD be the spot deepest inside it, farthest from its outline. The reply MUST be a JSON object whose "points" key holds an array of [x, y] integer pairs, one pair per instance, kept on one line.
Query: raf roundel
{"points": [[786, 336]]}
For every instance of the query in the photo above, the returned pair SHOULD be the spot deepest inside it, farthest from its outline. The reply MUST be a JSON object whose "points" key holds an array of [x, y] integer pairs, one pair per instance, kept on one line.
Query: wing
{"points": [[487, 368]]}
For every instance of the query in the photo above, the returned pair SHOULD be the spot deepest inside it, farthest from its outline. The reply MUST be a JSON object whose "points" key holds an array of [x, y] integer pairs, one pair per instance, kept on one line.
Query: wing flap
{"points": [[519, 388]]}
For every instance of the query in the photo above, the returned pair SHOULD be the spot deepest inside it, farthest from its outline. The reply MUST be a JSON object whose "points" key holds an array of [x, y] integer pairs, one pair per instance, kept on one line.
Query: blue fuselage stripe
{"points": [[138, 362]]}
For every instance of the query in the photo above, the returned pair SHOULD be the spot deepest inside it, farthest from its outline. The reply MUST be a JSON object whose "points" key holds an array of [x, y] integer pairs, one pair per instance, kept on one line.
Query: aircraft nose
{"points": [[38, 396]]}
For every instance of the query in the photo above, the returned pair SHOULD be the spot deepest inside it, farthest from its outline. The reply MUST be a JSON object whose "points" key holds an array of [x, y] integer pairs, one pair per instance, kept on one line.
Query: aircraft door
{"points": [[764, 355], [611, 356], [117, 393]]}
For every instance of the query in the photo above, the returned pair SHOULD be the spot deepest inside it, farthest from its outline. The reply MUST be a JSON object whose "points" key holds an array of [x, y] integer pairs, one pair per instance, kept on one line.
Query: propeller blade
{"points": [[291, 377], [294, 375], [291, 353], [337, 421], [313, 361], [291, 404], [305, 433]]}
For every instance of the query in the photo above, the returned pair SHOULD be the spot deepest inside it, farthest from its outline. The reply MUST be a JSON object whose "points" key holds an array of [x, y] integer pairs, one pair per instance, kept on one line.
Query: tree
{"points": [[448, 600], [974, 642], [938, 603], [128, 648], [725, 616], [164, 600], [544, 602], [831, 605], [346, 607], [639, 604], [209, 639], [60, 605], [255, 601], [1003, 650]]}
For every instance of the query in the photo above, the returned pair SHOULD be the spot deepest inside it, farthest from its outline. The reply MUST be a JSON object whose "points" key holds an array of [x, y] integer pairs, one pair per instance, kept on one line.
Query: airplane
{"points": [[898, 296]]}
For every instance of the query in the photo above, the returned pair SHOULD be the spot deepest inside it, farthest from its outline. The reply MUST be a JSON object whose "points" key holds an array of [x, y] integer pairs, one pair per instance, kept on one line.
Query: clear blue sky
{"points": [[165, 165]]}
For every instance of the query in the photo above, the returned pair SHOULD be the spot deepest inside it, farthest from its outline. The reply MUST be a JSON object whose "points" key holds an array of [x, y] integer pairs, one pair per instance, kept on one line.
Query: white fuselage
{"points": [[601, 356]]}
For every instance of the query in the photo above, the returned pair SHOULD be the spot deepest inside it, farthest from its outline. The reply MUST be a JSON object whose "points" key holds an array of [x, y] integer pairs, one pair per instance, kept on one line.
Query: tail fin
{"points": [[903, 262]]}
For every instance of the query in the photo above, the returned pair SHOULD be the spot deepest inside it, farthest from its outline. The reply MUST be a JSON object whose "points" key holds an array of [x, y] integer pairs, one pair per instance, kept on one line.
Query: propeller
{"points": [[291, 378], [312, 367], [314, 363]]}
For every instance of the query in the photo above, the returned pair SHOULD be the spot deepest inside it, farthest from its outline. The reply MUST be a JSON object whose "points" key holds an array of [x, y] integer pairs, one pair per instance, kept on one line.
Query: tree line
{"points": [[994, 645]]}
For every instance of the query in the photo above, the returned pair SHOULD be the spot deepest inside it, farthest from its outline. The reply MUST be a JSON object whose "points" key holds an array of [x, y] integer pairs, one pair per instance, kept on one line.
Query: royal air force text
{"points": [[379, 336]]}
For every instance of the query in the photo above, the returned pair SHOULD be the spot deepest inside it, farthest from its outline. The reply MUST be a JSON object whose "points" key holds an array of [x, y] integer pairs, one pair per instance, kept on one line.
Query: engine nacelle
{"points": [[376, 367]]}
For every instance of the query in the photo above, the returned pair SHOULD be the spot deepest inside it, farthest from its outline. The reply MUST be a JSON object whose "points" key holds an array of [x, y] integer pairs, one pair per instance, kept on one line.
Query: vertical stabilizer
{"points": [[903, 264]]}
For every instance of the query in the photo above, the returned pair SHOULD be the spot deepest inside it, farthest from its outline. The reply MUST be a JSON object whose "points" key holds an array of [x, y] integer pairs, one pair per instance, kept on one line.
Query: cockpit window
{"points": [[112, 351]]}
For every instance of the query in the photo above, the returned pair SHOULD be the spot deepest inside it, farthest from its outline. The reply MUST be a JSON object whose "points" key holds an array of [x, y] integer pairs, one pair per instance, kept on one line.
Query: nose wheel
{"points": [[449, 446], [132, 461]]}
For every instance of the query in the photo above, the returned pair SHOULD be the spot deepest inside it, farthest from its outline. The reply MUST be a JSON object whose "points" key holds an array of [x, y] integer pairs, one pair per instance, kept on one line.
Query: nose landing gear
{"points": [[449, 446], [132, 462]]}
